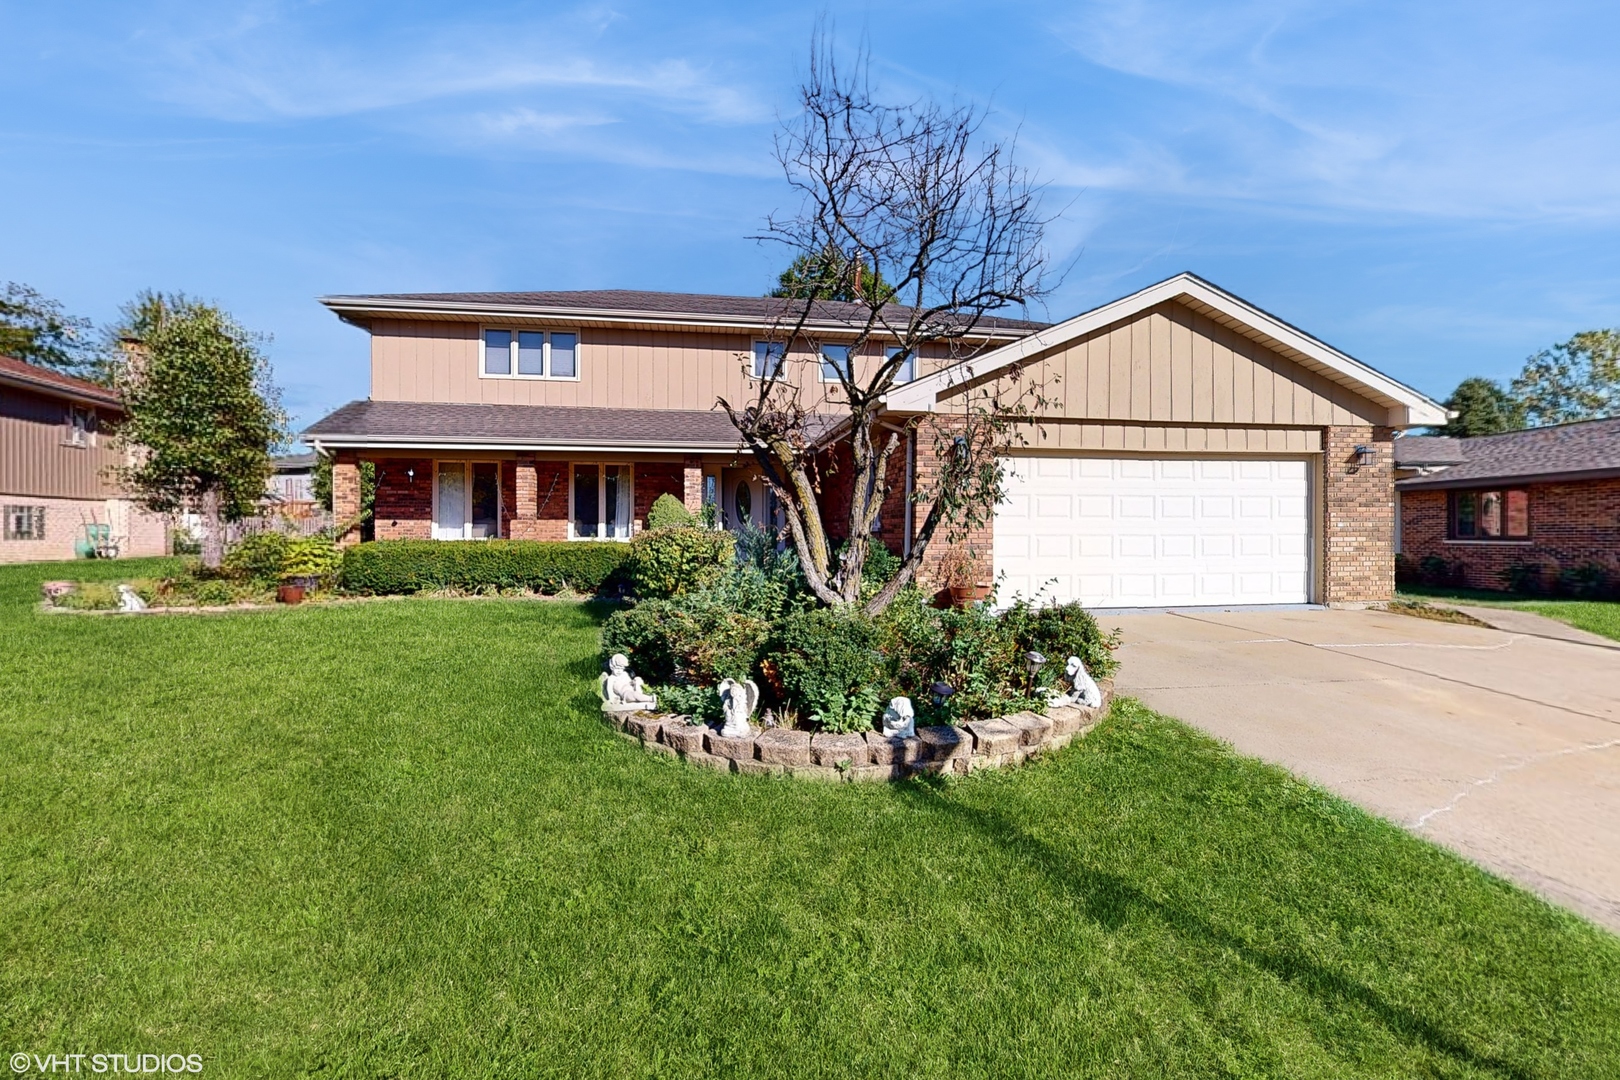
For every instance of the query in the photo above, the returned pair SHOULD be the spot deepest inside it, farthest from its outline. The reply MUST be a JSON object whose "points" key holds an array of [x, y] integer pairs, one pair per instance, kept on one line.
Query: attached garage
{"points": [[1155, 532], [1194, 451]]}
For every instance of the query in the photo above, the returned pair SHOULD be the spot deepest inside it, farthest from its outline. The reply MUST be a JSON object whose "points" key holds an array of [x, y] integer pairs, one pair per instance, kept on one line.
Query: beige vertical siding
{"points": [[624, 369], [1172, 438], [35, 458], [1172, 365]]}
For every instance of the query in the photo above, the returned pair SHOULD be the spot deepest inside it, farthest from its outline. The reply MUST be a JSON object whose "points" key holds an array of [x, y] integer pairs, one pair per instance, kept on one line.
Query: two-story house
{"points": [[1196, 450], [58, 496]]}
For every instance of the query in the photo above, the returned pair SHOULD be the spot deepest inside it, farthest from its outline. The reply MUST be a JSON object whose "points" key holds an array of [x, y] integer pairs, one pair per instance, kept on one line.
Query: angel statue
{"points": [[129, 599], [738, 700], [619, 688]]}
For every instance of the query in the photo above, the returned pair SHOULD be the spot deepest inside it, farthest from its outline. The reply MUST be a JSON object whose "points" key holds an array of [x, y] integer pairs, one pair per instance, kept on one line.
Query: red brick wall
{"points": [[655, 479], [404, 506], [551, 494], [979, 540], [1358, 543], [836, 474], [1571, 524]]}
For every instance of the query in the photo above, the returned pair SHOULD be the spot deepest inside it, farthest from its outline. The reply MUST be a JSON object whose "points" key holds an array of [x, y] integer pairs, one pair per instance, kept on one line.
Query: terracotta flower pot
{"points": [[963, 595], [290, 594]]}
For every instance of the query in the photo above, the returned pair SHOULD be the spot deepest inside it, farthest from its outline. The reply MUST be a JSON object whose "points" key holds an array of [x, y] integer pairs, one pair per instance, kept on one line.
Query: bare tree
{"points": [[927, 226]]}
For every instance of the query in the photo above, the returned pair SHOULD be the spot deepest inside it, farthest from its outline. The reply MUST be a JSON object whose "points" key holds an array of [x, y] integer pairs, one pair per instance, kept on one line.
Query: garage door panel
{"points": [[1150, 532]]}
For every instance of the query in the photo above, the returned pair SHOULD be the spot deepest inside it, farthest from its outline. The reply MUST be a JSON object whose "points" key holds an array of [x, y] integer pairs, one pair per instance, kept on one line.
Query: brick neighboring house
{"points": [[1547, 497], [1199, 450], [55, 491]]}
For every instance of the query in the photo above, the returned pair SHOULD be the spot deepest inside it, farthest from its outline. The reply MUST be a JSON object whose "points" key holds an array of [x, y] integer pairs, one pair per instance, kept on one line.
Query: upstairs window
{"points": [[908, 369], [531, 354], [1495, 514], [25, 523], [769, 356], [80, 424], [835, 360]]}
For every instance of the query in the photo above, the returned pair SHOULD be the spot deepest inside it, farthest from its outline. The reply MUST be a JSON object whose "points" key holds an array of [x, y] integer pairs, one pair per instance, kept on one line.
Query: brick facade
{"points": [[1571, 524], [403, 509], [346, 495], [663, 478], [1358, 517]]}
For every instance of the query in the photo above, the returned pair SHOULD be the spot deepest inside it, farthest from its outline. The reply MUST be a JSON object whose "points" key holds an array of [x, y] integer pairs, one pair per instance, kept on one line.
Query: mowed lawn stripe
{"points": [[393, 838]]}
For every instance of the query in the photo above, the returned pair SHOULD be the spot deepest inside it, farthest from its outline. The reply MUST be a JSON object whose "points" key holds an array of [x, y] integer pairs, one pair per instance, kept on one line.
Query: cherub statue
{"points": [[1084, 689], [738, 700], [619, 688], [129, 599], [899, 719]]}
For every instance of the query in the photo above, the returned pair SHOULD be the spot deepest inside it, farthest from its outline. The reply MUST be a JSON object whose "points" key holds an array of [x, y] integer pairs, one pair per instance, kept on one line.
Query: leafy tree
{"points": [[910, 212], [1483, 407], [35, 328], [829, 274], [201, 412], [1576, 380]]}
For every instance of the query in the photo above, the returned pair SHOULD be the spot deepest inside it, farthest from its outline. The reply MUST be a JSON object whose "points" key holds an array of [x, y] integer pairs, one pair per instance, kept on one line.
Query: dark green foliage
{"points": [[672, 561], [1059, 631], [1438, 570], [829, 274], [1521, 577], [256, 557], [392, 567], [827, 663], [1588, 580], [667, 511], [694, 640], [1406, 572], [310, 558], [1483, 407], [36, 329], [1578, 379]]}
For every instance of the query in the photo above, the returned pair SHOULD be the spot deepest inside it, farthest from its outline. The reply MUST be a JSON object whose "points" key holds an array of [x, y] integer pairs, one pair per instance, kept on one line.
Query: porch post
{"points": [[346, 496], [527, 508], [692, 486]]}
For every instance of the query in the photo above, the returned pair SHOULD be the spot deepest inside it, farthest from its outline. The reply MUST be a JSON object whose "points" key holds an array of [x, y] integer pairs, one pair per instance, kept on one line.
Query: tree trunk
{"points": [[213, 538]]}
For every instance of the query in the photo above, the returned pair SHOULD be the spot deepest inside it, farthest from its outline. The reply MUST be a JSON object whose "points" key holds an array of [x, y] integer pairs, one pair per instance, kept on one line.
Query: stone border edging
{"points": [[975, 745]]}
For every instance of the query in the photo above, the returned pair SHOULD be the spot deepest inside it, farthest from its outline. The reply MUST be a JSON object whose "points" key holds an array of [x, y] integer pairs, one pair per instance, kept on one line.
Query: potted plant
{"points": [[303, 567], [959, 572]]}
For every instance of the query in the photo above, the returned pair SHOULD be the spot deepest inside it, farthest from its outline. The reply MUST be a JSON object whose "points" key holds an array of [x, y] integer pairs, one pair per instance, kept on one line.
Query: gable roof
{"points": [[44, 380], [1407, 407], [1587, 449], [635, 308]]}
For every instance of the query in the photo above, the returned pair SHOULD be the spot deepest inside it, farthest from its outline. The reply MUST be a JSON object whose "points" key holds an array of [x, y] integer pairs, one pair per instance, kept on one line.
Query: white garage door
{"points": [[1137, 532]]}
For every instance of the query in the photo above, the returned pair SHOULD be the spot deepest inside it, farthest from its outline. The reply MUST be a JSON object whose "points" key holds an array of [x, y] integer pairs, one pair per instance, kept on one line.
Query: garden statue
{"points": [[1084, 688], [129, 600], [738, 700], [620, 689], [899, 719]]}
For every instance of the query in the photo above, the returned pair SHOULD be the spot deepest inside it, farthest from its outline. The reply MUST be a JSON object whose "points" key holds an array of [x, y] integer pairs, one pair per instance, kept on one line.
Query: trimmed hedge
{"points": [[390, 567]]}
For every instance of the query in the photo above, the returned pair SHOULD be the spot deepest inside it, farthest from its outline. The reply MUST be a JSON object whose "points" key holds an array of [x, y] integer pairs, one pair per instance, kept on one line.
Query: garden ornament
{"points": [[738, 700], [899, 719], [1085, 691], [129, 600], [619, 688], [941, 692]]}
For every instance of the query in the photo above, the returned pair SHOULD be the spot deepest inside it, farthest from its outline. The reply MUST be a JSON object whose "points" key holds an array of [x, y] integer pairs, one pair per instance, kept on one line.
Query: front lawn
{"points": [[393, 839], [1594, 616]]}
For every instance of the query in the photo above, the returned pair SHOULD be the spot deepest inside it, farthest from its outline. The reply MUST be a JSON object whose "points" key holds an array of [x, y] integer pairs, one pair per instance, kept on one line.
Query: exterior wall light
{"points": [[1366, 455]]}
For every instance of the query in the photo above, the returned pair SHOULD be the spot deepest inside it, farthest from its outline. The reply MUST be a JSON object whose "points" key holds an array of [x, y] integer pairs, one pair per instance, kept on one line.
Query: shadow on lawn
{"points": [[1109, 901]]}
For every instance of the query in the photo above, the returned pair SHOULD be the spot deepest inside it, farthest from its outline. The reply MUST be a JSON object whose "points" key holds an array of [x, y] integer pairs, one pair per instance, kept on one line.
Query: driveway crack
{"points": [[1525, 763]]}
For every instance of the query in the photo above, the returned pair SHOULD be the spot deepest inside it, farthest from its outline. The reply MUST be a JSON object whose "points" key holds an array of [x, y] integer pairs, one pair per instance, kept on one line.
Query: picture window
{"points": [[1494, 514], [530, 354]]}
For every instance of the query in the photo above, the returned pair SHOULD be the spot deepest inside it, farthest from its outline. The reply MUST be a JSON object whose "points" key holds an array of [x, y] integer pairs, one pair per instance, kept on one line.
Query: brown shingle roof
{"points": [[758, 311], [1566, 450], [45, 379], [375, 422], [1414, 451]]}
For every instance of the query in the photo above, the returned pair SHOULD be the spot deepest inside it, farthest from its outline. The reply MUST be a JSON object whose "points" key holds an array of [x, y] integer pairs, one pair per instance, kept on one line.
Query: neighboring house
{"points": [[1547, 497], [291, 488], [1198, 451], [56, 493]]}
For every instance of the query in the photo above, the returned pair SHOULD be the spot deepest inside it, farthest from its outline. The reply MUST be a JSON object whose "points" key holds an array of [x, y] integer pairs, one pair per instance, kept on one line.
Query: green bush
{"points": [[672, 561], [828, 665], [1059, 631], [310, 557], [694, 640], [667, 511], [256, 557], [394, 567]]}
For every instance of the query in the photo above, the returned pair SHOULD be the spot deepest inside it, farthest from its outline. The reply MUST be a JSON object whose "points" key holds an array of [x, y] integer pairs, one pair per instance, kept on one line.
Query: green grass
{"points": [[1594, 616], [392, 839]]}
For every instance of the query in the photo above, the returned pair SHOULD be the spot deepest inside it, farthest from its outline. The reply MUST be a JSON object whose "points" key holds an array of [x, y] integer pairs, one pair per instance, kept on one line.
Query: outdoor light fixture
{"points": [[1365, 455], [1035, 662], [410, 475]]}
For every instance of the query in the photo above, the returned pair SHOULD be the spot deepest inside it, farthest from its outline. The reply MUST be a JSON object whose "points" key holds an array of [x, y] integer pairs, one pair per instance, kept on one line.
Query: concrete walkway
{"points": [[1503, 746]]}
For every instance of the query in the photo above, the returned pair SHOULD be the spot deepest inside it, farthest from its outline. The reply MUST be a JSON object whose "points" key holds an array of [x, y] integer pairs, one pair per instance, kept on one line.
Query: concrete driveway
{"points": [[1503, 745]]}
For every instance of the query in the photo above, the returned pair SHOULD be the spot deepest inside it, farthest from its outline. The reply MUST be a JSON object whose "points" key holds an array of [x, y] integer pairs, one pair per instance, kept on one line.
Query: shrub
{"points": [[1059, 631], [667, 511], [672, 561], [1437, 570], [1521, 577], [828, 665], [1587, 580], [1405, 572], [692, 640], [310, 557], [256, 557], [392, 567]]}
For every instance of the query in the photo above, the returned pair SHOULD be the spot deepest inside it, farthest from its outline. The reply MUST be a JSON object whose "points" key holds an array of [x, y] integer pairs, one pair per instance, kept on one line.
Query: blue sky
{"points": [[1434, 188]]}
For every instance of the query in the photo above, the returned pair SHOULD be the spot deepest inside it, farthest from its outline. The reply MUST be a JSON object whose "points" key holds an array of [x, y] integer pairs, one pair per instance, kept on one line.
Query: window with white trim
{"points": [[80, 425], [529, 354], [835, 359], [908, 369], [25, 523], [769, 356], [602, 502]]}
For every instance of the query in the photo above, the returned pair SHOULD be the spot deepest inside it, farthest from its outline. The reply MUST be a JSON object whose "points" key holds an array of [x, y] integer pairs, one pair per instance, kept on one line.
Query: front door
{"points": [[450, 501]]}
